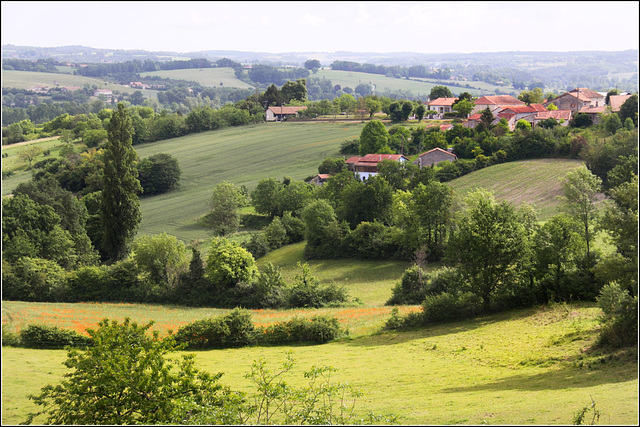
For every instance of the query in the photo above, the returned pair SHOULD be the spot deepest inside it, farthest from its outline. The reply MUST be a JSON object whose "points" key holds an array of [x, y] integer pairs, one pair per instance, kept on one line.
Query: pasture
{"points": [[29, 79], [242, 155], [537, 182], [418, 87], [532, 366], [211, 77]]}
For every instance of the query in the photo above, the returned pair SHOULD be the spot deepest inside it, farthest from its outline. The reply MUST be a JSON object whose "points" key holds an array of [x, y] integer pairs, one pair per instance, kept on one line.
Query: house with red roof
{"points": [[616, 101], [578, 98], [320, 179], [367, 166], [433, 157], [441, 105], [493, 102], [278, 114], [562, 116]]}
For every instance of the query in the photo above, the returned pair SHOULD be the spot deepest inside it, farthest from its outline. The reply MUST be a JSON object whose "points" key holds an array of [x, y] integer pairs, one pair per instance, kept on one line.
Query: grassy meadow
{"points": [[418, 87], [242, 155], [533, 366], [537, 182], [211, 77], [29, 79]]}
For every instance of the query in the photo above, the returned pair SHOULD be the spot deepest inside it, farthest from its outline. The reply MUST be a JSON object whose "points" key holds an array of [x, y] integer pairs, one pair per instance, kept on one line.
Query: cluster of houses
{"points": [[140, 85], [579, 100]]}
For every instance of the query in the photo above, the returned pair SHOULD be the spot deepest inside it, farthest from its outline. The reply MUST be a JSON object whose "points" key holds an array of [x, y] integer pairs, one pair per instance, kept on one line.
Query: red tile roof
{"points": [[519, 109], [616, 101], [586, 93], [555, 114], [353, 159], [437, 149], [323, 175], [287, 110], [498, 100], [474, 117], [592, 110], [538, 107], [375, 158], [506, 116], [443, 102]]}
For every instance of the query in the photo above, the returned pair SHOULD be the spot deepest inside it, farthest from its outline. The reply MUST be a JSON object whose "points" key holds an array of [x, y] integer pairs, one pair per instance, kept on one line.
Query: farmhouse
{"points": [[279, 114], [367, 166], [433, 157], [562, 116], [105, 92], [578, 98], [441, 105], [320, 179], [495, 102], [616, 101], [593, 112]]}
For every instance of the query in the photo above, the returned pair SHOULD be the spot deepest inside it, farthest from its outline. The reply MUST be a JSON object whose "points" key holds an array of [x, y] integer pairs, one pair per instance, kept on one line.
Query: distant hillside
{"points": [[209, 77], [536, 182]]}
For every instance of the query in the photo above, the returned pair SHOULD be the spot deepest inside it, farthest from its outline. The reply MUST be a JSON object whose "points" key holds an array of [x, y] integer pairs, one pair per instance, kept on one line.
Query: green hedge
{"points": [[41, 336]]}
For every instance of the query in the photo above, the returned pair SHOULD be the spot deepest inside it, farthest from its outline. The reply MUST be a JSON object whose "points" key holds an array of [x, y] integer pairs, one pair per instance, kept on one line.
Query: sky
{"points": [[424, 27]]}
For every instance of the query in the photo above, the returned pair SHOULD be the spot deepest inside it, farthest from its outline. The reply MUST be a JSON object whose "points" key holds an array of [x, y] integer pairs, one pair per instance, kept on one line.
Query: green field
{"points": [[29, 79], [242, 155], [529, 366], [537, 182], [419, 87], [211, 77]]}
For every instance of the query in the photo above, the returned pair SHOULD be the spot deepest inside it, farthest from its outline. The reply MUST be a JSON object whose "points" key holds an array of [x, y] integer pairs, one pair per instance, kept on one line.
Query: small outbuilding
{"points": [[433, 157]]}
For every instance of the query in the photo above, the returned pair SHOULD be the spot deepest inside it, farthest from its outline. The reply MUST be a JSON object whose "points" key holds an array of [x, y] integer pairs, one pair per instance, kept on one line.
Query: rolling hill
{"points": [[212, 77], [536, 182]]}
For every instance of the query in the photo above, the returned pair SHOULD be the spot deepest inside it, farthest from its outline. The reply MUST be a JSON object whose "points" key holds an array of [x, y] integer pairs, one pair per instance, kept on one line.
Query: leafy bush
{"points": [[411, 289], [34, 279], [257, 245], [306, 291], [620, 316], [318, 330], [450, 306], [232, 330], [294, 227], [350, 147], [276, 234], [9, 338], [372, 240], [159, 173], [41, 336], [228, 263]]}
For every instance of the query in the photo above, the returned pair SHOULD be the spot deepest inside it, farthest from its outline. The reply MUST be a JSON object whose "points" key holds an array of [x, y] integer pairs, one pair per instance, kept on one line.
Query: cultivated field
{"points": [[29, 79], [211, 77], [529, 366], [419, 87], [242, 155], [537, 182]]}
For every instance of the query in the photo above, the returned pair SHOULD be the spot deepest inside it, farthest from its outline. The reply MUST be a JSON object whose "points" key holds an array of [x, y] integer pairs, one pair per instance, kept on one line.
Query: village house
{"points": [[70, 88], [278, 114], [593, 112], [367, 166], [578, 98], [562, 116], [495, 102], [441, 105], [433, 157], [474, 120], [104, 92], [616, 101], [320, 179]]}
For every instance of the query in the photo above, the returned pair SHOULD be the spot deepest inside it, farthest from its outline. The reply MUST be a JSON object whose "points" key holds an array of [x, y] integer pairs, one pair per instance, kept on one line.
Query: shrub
{"points": [[34, 279], [232, 330], [306, 292], [9, 338], [411, 288], [372, 240], [159, 173], [276, 234], [294, 227], [88, 284], [228, 263], [318, 330], [41, 336], [450, 306], [620, 316], [258, 246]]}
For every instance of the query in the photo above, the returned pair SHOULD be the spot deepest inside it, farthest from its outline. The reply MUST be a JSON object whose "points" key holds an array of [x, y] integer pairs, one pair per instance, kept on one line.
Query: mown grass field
{"points": [[531, 366], [242, 155], [421, 87], [537, 182], [211, 77], [29, 79]]}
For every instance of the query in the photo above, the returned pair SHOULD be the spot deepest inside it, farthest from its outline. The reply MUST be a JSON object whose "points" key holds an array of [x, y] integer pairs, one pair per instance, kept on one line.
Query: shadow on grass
{"points": [[440, 329], [567, 377]]}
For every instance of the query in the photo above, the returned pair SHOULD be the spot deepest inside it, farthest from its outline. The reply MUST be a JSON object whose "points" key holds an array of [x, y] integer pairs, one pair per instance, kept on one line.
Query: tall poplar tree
{"points": [[120, 205]]}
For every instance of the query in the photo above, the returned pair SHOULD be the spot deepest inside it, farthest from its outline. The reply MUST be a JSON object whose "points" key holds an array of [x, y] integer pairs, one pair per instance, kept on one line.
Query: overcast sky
{"points": [[426, 27]]}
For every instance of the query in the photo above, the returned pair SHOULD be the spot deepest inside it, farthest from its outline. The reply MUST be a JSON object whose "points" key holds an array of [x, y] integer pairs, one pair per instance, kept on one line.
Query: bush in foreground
{"points": [[42, 336], [620, 317]]}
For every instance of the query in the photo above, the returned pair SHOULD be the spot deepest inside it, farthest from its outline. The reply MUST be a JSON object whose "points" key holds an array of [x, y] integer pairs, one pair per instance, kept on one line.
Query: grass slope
{"points": [[29, 79], [242, 155], [419, 87], [211, 77], [522, 367], [537, 182]]}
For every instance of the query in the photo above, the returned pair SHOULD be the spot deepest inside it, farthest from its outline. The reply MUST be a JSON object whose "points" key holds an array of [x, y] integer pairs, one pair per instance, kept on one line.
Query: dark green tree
{"points": [[630, 110], [294, 90], [120, 205], [374, 138], [440, 92]]}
